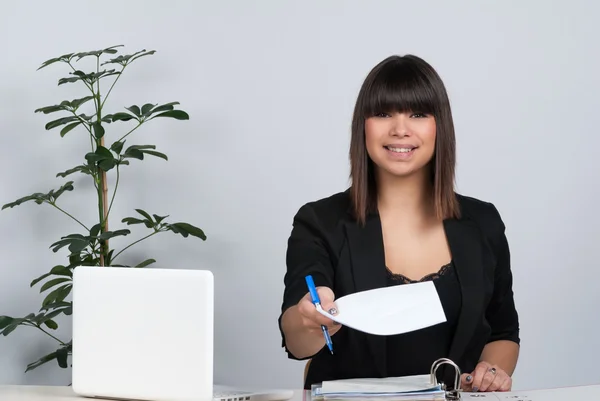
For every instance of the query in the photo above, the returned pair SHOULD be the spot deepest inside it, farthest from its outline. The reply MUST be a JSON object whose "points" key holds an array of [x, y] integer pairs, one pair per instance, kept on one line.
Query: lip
{"points": [[400, 145]]}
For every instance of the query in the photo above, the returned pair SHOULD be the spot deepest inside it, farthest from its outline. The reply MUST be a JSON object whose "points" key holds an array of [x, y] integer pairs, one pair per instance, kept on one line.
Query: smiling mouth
{"points": [[407, 149]]}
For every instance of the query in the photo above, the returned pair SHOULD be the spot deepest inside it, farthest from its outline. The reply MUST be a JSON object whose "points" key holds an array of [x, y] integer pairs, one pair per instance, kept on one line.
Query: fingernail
{"points": [[469, 378], [333, 311], [475, 389]]}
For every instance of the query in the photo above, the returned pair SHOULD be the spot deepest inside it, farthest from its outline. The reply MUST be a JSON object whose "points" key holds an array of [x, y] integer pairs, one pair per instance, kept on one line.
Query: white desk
{"points": [[579, 393], [61, 393]]}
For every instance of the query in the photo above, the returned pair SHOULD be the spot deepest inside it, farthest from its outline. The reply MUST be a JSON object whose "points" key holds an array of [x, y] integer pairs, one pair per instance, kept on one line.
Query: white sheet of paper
{"points": [[388, 385], [390, 310]]}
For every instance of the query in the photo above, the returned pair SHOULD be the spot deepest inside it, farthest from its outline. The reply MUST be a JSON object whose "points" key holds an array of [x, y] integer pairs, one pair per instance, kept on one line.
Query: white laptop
{"points": [[147, 334]]}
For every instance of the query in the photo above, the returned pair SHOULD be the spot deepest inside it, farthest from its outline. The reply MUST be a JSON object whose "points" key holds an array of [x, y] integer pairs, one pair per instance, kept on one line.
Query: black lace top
{"points": [[413, 353]]}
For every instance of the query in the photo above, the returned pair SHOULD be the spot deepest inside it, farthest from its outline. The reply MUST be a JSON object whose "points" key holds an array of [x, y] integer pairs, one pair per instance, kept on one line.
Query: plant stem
{"points": [[114, 192], [68, 214], [113, 84], [133, 243], [127, 134], [44, 331]]}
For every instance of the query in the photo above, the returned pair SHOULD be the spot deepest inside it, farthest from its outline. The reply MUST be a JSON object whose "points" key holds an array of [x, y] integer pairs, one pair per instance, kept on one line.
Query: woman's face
{"points": [[400, 143]]}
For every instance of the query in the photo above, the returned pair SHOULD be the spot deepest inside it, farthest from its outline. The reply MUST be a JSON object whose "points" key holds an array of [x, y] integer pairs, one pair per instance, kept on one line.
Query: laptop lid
{"points": [[143, 333]]}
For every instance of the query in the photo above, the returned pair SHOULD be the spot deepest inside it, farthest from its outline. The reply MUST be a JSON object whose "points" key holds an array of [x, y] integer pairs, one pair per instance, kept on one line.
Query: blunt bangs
{"points": [[402, 87]]}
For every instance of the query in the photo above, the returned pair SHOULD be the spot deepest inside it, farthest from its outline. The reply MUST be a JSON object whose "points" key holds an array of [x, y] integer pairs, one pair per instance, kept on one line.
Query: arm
{"points": [[503, 346], [502, 353], [306, 254], [502, 349]]}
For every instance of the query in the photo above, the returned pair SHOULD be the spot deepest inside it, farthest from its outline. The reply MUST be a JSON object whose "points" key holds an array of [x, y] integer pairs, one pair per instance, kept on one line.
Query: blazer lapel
{"points": [[368, 268], [467, 253]]}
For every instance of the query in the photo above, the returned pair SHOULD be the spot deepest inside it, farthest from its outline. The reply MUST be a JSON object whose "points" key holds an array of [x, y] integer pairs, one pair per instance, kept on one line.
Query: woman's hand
{"points": [[311, 318], [486, 377]]}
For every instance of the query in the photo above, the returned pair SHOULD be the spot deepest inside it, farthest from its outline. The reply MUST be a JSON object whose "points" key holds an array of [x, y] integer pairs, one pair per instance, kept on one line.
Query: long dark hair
{"points": [[403, 84]]}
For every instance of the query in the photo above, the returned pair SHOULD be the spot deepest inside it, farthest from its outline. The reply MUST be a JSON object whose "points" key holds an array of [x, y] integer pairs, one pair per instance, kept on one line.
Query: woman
{"points": [[401, 222]]}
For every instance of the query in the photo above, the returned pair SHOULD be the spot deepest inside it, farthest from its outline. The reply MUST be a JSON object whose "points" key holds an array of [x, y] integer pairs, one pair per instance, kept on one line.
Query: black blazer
{"points": [[329, 244]]}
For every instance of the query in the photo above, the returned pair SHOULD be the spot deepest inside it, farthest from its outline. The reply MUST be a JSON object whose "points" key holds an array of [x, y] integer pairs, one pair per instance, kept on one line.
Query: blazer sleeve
{"points": [[501, 313], [307, 254]]}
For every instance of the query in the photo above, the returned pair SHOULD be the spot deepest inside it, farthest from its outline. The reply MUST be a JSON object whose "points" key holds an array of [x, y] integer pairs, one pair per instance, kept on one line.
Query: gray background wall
{"points": [[270, 88]]}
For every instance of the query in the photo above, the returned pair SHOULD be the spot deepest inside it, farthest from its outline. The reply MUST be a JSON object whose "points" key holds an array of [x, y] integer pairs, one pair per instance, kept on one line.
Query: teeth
{"points": [[399, 150]]}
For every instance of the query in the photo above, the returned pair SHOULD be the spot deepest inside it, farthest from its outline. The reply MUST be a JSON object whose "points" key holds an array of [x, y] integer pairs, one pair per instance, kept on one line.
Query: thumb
{"points": [[327, 300]]}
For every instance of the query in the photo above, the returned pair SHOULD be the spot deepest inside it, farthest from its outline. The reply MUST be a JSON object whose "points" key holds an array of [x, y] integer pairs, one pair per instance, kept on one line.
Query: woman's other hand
{"points": [[486, 377]]}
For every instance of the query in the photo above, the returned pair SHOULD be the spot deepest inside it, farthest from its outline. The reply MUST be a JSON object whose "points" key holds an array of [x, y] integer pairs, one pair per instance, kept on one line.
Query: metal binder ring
{"points": [[453, 394]]}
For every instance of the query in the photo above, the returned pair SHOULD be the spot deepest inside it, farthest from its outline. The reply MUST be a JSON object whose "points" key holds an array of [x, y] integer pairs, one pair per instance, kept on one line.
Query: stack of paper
{"points": [[409, 387]]}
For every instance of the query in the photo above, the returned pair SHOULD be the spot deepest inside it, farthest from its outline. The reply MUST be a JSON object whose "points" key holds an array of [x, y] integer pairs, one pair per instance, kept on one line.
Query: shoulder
{"points": [[327, 212], [483, 212]]}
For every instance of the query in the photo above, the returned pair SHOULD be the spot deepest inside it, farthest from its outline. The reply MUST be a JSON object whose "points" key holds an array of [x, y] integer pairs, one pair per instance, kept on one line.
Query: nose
{"points": [[399, 125]]}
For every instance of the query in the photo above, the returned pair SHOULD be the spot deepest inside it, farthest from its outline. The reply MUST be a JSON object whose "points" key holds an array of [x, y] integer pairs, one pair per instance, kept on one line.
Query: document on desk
{"points": [[390, 310], [408, 387]]}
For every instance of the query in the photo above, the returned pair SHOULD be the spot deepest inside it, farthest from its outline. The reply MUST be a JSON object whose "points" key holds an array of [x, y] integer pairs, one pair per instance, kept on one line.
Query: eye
{"points": [[381, 114], [419, 115]]}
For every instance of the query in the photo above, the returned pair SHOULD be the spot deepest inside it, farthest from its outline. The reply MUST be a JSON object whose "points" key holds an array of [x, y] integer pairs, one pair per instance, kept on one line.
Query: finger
{"points": [[312, 317], [497, 381], [506, 385], [478, 374], [466, 380], [489, 377]]}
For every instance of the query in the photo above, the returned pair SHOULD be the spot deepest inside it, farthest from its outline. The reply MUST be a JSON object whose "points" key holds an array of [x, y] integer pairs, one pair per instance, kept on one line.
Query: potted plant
{"points": [[91, 246]]}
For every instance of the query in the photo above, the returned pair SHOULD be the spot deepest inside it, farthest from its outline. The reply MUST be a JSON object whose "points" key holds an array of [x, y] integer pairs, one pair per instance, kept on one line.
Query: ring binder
{"points": [[454, 393]]}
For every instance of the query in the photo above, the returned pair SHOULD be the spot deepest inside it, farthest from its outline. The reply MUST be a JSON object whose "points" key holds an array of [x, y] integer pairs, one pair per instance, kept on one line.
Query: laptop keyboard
{"points": [[231, 395]]}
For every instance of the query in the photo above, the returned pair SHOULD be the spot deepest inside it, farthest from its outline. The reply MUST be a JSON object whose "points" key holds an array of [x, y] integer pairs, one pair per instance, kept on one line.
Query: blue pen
{"points": [[315, 300]]}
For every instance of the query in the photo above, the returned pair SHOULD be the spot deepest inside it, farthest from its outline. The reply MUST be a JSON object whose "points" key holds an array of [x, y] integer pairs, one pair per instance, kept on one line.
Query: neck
{"points": [[408, 197]]}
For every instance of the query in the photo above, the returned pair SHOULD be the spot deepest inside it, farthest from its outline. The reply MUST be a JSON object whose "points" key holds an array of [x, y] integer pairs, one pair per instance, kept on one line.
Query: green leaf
{"points": [[119, 117], [83, 169], [5, 321], [147, 109], [90, 78], [41, 361], [186, 229], [164, 107], [111, 234], [176, 114], [40, 198], [60, 270], [76, 243], [65, 58], [57, 295], [144, 213], [61, 357], [117, 146], [51, 324], [40, 278], [103, 157], [128, 59], [76, 103], [158, 218], [133, 154], [57, 305], [95, 230], [155, 153], [146, 263], [132, 220], [68, 128], [135, 110], [54, 282], [60, 121], [98, 129], [97, 53]]}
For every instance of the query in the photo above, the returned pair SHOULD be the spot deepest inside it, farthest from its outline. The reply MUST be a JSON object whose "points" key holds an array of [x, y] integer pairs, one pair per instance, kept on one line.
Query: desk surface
{"points": [[578, 393]]}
